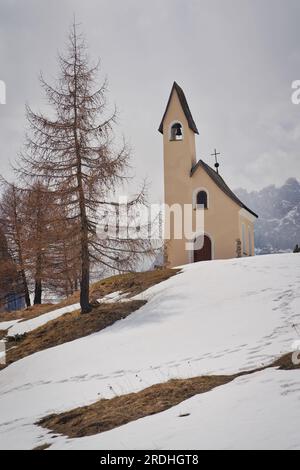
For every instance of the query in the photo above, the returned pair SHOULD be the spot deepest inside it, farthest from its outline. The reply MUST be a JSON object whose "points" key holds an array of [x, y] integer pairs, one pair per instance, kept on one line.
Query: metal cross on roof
{"points": [[215, 154]]}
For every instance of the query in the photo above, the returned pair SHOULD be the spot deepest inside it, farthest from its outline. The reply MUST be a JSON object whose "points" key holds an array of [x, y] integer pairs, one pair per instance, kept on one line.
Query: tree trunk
{"points": [[38, 292], [84, 229], [25, 288], [38, 265], [38, 280], [85, 280], [19, 248]]}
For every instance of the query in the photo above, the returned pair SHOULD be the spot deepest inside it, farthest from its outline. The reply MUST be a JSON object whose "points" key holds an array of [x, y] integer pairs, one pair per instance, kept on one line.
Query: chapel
{"points": [[228, 223]]}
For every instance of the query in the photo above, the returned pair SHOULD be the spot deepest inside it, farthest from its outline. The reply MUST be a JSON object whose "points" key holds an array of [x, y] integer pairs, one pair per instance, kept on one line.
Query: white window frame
{"points": [[195, 192], [170, 131]]}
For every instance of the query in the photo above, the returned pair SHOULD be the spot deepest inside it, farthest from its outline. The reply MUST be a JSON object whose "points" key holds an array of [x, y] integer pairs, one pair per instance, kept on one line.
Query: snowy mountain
{"points": [[216, 317], [278, 226]]}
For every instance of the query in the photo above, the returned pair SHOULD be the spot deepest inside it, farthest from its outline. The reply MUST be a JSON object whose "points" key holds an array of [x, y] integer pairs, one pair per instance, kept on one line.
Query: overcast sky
{"points": [[235, 60]]}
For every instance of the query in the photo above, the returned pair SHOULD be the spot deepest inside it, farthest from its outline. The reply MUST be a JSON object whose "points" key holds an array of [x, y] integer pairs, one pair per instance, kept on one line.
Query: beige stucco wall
{"points": [[248, 246], [222, 219]]}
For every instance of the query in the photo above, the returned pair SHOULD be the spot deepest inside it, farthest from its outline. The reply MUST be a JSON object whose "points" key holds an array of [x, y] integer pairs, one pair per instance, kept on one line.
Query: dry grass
{"points": [[109, 414], [68, 327], [129, 283], [27, 313], [3, 333], [42, 447], [285, 363]]}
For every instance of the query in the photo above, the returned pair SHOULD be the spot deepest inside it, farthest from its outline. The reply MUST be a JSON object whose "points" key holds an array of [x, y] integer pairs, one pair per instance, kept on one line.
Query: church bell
{"points": [[178, 132]]}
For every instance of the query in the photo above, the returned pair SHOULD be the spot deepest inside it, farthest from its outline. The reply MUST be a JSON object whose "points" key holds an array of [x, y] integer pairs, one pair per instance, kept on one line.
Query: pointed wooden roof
{"points": [[185, 108], [221, 184]]}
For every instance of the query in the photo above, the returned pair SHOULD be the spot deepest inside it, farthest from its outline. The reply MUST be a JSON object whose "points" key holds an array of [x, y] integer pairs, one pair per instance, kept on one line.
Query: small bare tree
{"points": [[13, 225], [41, 229], [8, 273], [73, 152], [63, 251]]}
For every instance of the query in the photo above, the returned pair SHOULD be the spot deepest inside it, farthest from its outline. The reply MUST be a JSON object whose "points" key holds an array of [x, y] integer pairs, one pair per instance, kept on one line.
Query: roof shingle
{"points": [[185, 107], [221, 184]]}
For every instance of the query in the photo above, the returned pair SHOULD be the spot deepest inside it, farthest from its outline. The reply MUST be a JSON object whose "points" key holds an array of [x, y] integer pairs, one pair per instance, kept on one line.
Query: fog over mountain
{"points": [[278, 208]]}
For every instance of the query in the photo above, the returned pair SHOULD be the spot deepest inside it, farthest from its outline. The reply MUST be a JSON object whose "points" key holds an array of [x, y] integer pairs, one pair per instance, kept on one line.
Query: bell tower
{"points": [[178, 129]]}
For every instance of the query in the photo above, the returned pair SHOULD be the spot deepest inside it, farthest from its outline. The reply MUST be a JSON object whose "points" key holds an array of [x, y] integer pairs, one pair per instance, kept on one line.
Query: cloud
{"points": [[235, 60]]}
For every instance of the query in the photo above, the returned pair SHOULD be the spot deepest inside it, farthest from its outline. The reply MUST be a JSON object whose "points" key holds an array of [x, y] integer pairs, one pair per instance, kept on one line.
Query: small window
{"points": [[202, 199], [176, 132]]}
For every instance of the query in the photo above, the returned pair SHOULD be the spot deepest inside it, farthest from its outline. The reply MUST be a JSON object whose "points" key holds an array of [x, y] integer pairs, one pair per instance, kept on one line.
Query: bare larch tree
{"points": [[73, 151]]}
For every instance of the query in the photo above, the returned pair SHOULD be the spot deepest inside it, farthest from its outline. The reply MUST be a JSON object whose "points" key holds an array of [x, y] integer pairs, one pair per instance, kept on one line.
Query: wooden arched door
{"points": [[205, 252]]}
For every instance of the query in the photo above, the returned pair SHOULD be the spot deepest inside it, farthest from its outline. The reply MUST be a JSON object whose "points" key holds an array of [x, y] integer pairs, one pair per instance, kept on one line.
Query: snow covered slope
{"points": [[260, 411], [214, 317]]}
